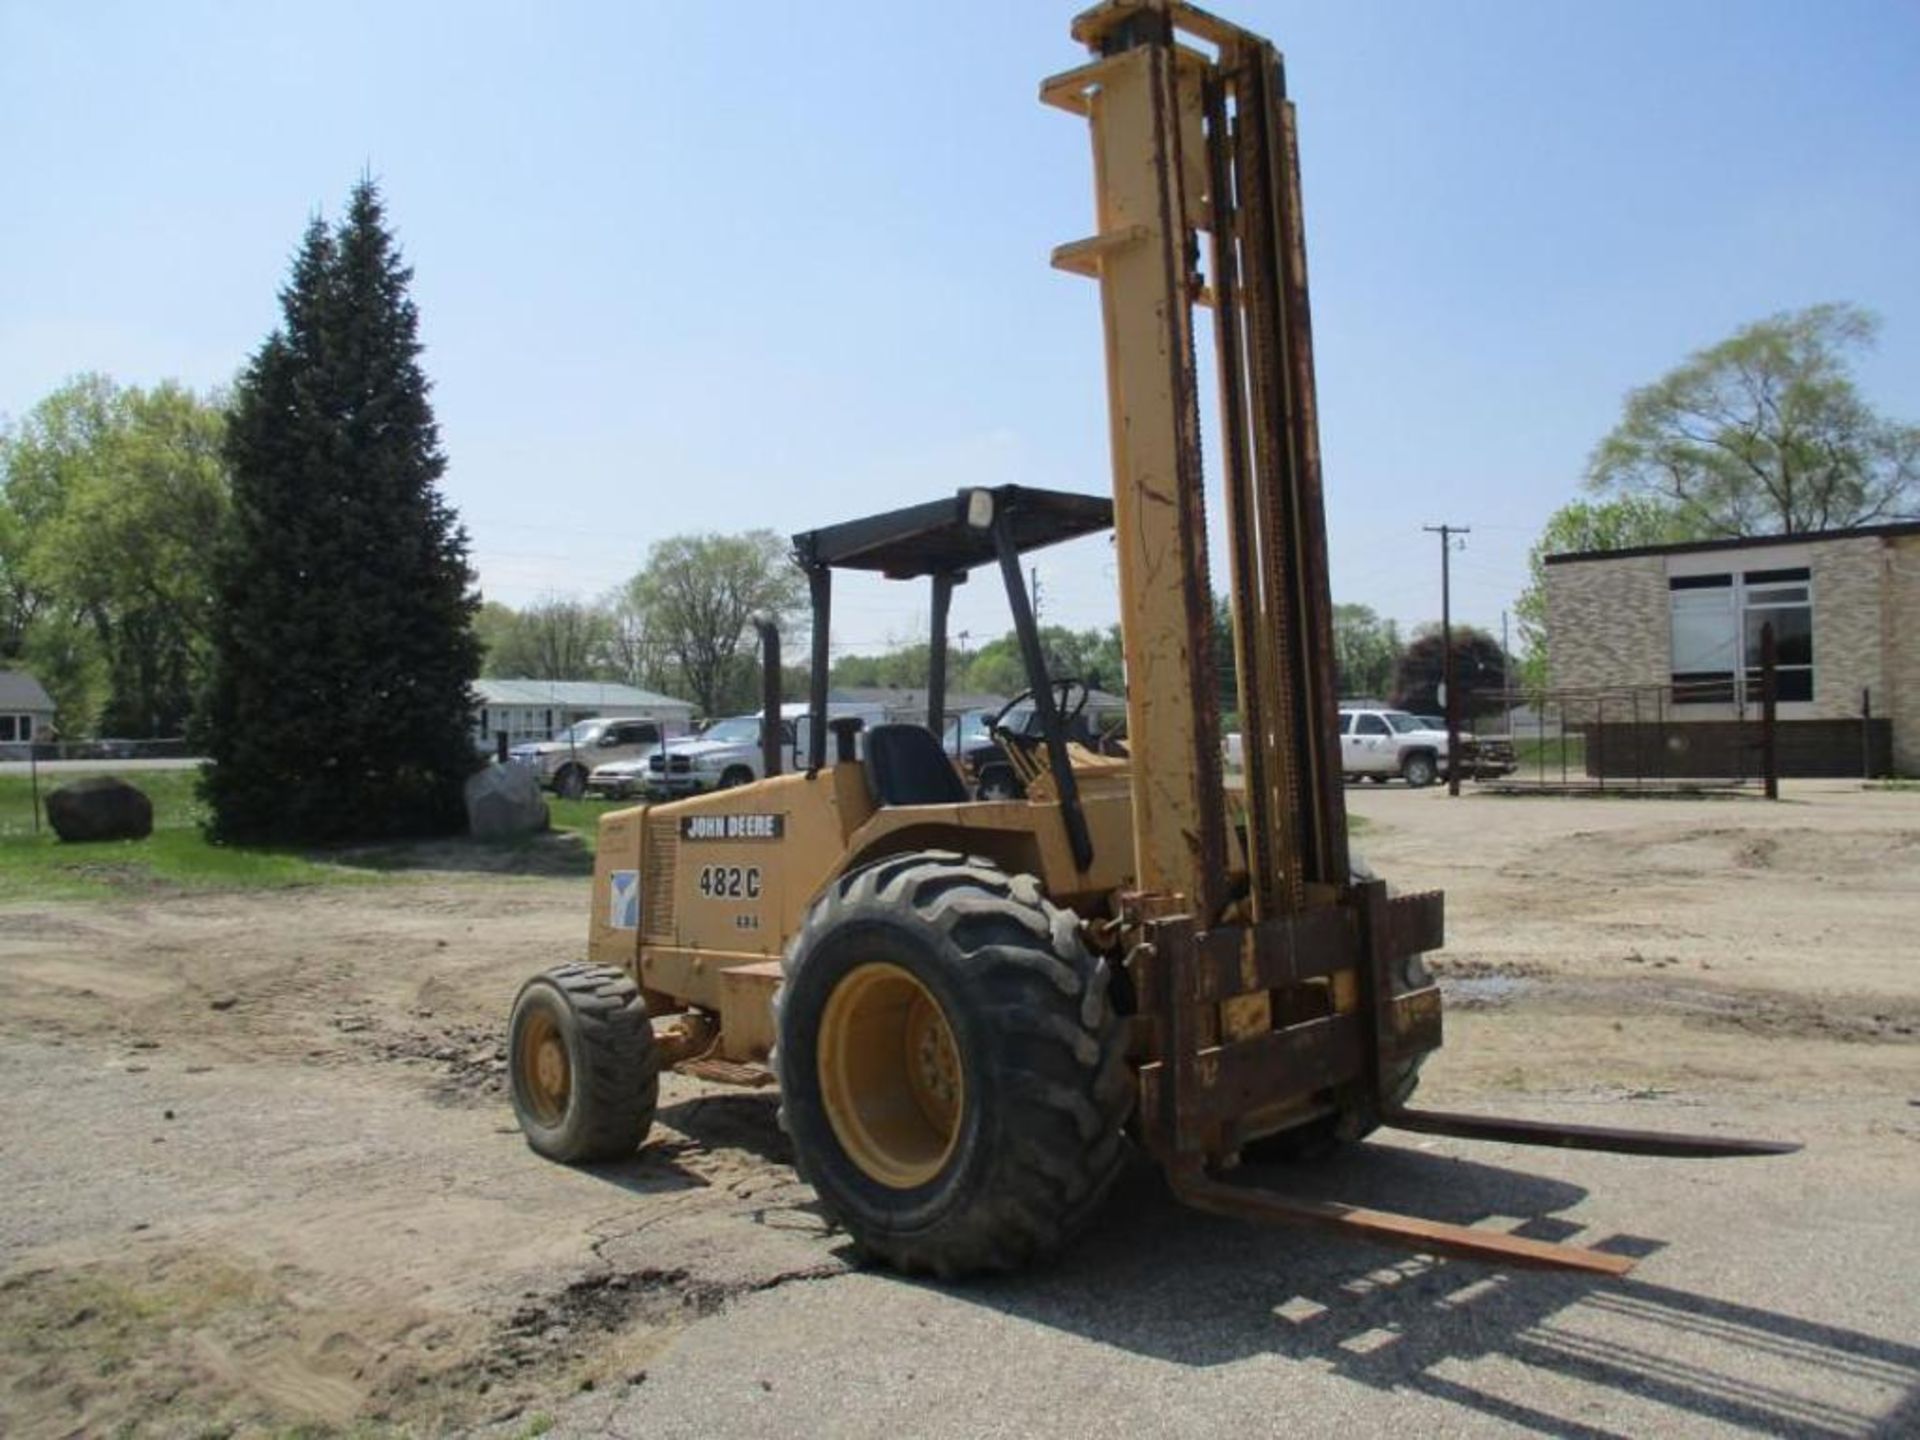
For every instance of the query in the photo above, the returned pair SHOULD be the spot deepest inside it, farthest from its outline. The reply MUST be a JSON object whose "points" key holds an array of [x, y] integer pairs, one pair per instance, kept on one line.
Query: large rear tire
{"points": [[582, 1065], [952, 1071]]}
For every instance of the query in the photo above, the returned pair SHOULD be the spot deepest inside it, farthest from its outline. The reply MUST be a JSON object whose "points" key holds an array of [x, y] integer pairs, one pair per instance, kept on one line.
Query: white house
{"points": [[26, 710], [539, 709]]}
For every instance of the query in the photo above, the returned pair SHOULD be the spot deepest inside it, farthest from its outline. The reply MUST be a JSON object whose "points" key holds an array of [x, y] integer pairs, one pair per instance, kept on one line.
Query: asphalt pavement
{"points": [[1772, 1297]]}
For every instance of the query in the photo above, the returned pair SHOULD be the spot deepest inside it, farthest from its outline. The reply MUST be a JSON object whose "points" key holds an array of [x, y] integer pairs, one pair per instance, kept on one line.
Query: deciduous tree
{"points": [[699, 594], [1365, 651], [108, 495], [1766, 433], [1478, 665], [552, 639]]}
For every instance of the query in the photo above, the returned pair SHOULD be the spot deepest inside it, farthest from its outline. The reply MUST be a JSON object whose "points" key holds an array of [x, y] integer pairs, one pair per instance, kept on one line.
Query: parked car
{"points": [[727, 752], [566, 762], [623, 779], [1379, 743], [1482, 757]]}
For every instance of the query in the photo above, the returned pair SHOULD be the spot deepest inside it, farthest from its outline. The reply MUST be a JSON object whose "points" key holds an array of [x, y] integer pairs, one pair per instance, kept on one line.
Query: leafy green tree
{"points": [[344, 649], [1479, 668], [109, 495], [496, 627], [907, 667], [554, 639], [1623, 523], [20, 597], [1366, 649], [699, 595], [1766, 433], [1092, 656]]}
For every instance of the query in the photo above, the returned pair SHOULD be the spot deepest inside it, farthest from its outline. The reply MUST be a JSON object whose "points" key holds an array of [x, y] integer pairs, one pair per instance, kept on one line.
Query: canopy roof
{"points": [[940, 537]]}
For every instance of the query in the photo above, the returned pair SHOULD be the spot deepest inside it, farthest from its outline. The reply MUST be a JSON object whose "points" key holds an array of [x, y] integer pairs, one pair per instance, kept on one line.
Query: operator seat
{"points": [[906, 765]]}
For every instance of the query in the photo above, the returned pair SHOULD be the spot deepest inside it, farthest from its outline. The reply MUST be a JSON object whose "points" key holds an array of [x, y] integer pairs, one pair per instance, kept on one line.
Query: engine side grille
{"points": [[656, 894]]}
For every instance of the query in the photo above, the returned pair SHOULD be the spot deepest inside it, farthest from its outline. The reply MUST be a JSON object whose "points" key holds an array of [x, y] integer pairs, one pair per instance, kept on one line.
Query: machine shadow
{"points": [[689, 1130], [1160, 1280], [746, 1120]]}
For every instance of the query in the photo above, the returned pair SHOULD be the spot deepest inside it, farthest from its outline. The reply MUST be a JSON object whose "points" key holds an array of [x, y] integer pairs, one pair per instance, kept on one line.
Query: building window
{"points": [[1717, 622], [7, 731], [1784, 599]]}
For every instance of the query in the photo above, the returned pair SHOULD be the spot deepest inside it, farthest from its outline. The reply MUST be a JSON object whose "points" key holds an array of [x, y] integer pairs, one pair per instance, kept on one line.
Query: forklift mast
{"points": [[1191, 142], [1298, 986]]}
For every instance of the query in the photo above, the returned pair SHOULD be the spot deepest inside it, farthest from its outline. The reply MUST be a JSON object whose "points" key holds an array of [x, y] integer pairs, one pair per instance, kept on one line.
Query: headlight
{"points": [[707, 762]]}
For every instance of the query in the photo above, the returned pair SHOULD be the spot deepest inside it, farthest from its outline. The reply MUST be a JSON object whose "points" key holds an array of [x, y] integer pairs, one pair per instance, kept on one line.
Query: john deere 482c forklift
{"points": [[973, 1008]]}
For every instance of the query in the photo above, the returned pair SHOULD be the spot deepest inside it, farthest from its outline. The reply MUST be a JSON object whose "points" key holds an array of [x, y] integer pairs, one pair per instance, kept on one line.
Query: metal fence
{"points": [[1634, 737]]}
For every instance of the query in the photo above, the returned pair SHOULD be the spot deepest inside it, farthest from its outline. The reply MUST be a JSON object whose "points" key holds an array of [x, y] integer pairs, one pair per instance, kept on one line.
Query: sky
{"points": [[705, 267]]}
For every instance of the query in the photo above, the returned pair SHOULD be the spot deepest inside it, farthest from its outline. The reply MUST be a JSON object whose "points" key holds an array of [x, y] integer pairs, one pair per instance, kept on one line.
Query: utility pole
{"points": [[1506, 678], [1446, 534]]}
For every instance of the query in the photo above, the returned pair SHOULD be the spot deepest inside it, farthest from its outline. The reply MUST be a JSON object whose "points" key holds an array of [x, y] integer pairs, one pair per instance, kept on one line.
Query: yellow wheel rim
{"points": [[890, 1075], [546, 1073]]}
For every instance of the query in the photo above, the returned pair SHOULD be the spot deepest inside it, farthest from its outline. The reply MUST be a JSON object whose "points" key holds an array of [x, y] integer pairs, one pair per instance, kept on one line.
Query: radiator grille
{"points": [[657, 863]]}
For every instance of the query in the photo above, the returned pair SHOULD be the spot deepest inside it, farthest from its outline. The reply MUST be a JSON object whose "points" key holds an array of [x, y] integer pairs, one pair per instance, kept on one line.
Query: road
{"points": [[56, 771]]}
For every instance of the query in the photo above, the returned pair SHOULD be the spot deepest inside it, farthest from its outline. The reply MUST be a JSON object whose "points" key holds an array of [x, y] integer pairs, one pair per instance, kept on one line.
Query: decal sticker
{"points": [[624, 900], [732, 827]]}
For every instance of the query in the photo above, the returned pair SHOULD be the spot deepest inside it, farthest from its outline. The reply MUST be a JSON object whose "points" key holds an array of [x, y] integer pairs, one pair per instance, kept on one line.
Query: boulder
{"points": [[504, 801], [100, 809]]}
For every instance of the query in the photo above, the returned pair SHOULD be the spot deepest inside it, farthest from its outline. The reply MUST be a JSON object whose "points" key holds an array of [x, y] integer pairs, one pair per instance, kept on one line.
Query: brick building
{"points": [[1682, 623]]}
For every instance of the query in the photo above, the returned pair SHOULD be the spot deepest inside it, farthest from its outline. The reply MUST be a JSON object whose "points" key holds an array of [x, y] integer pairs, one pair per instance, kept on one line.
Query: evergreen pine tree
{"points": [[343, 643]]}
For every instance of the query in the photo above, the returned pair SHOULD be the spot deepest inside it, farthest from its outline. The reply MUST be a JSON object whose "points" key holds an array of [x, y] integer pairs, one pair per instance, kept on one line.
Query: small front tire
{"points": [[581, 1064], [570, 783]]}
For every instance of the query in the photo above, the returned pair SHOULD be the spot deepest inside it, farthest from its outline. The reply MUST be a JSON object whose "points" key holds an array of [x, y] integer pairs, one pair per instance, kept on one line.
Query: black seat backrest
{"points": [[906, 765]]}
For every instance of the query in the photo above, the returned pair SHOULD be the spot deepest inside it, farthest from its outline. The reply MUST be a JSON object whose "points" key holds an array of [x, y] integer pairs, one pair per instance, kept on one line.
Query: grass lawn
{"points": [[582, 817], [175, 857], [1539, 756]]}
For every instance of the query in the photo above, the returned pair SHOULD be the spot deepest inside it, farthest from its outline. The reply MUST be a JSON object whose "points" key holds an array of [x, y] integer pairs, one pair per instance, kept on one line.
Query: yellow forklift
{"points": [[973, 1009]]}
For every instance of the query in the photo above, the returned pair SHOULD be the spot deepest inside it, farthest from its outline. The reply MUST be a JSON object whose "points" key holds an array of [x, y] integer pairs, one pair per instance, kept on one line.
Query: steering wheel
{"points": [[1070, 697]]}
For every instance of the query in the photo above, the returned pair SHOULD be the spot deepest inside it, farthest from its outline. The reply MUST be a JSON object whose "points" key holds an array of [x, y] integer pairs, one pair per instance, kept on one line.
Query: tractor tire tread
{"points": [[622, 1071], [1061, 1057]]}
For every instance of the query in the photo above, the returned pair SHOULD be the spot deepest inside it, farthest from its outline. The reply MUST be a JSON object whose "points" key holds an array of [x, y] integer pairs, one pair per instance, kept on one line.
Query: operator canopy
{"points": [[943, 537]]}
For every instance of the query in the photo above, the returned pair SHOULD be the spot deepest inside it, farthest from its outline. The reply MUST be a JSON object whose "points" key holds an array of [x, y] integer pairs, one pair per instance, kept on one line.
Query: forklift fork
{"points": [[1191, 1097]]}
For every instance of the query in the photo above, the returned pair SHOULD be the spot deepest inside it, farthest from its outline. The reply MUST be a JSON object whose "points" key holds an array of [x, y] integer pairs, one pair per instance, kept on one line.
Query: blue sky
{"points": [[704, 267]]}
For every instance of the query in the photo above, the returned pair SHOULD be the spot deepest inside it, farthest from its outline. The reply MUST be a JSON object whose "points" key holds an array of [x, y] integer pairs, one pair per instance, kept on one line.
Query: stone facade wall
{"points": [[1608, 623], [1848, 625], [1900, 663]]}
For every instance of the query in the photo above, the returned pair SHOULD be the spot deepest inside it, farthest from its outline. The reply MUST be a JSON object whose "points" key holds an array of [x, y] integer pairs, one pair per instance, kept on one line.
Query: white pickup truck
{"points": [[1382, 743], [563, 763], [725, 754]]}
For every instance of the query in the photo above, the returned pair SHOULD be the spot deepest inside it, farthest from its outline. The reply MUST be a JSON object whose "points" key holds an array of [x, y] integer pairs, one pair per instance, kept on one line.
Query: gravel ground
{"points": [[260, 1175]]}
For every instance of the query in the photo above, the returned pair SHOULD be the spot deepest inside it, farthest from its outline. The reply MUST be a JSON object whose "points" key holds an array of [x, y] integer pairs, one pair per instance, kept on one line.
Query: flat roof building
{"points": [[1682, 625]]}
